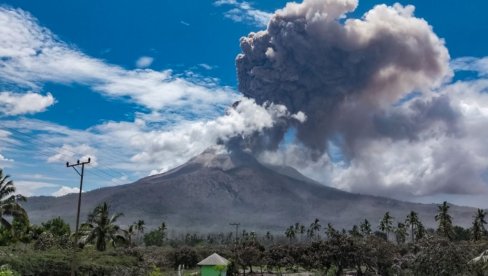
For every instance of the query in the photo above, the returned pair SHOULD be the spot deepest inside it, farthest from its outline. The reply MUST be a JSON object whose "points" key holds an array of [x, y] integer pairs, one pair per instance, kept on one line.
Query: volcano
{"points": [[216, 188]]}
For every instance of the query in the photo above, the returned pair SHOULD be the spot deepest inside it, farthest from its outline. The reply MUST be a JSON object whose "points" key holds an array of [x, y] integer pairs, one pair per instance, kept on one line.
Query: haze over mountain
{"points": [[216, 188]]}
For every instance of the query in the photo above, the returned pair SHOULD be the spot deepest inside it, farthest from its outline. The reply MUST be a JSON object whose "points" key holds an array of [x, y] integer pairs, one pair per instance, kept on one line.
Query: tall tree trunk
{"points": [[411, 232]]}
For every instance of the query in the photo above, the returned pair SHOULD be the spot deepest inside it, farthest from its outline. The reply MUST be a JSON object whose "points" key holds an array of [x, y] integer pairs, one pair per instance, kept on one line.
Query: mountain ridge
{"points": [[216, 188]]}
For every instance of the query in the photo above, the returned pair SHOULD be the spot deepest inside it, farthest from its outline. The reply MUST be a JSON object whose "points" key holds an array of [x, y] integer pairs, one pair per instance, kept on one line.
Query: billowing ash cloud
{"points": [[345, 74]]}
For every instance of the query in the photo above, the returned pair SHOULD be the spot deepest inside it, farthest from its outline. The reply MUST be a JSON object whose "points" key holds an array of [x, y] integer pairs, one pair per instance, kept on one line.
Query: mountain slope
{"points": [[214, 189]]}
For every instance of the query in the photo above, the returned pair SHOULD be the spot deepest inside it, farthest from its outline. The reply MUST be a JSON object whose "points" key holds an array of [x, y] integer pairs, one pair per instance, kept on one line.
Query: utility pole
{"points": [[236, 261], [237, 230], [68, 165]]}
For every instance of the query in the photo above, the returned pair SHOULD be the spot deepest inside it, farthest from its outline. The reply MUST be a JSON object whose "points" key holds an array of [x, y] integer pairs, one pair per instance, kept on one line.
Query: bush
{"points": [[183, 256], [57, 226], [47, 241], [5, 270], [154, 238], [54, 262]]}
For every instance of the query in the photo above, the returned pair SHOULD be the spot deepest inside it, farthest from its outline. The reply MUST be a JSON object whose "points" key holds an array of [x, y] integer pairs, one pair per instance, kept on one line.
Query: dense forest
{"points": [[391, 246]]}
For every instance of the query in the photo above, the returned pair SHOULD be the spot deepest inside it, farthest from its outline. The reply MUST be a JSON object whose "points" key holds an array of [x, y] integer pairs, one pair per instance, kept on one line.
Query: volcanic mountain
{"points": [[213, 189]]}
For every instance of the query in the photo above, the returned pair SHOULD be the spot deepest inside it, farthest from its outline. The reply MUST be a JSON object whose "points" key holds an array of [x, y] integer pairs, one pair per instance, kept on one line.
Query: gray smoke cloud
{"points": [[345, 74]]}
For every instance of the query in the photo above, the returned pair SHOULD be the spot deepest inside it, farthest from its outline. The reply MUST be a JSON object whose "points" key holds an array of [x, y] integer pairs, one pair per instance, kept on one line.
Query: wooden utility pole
{"points": [[236, 261], [237, 230], [75, 245]]}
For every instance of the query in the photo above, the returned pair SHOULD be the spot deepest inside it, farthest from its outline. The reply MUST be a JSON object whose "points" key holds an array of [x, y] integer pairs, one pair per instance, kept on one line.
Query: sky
{"points": [[143, 87]]}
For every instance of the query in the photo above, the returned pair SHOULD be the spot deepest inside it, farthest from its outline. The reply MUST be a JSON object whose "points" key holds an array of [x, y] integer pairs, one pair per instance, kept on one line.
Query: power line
{"points": [[100, 169], [97, 171], [34, 138]]}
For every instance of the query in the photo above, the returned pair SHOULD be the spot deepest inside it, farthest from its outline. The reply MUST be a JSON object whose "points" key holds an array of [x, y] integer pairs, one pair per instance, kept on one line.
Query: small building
{"points": [[214, 265]]}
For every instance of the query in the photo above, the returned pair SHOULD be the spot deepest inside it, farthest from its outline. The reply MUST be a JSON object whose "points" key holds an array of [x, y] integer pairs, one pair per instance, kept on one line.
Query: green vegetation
{"points": [[102, 229], [9, 201], [105, 248]]}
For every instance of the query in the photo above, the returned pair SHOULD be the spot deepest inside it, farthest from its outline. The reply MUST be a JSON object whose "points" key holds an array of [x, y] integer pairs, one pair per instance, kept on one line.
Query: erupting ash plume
{"points": [[345, 74]]}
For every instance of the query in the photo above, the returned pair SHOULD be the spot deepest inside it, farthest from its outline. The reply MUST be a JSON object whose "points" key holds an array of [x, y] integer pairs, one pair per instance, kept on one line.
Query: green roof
{"points": [[214, 259]]}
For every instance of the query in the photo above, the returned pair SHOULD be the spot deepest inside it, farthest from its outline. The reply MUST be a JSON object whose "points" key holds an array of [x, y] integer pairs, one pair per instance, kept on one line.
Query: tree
{"points": [[365, 228], [279, 256], [478, 230], [9, 201], [401, 233], [290, 233], [101, 228], [355, 232], [56, 226], [21, 230], [157, 237], [386, 224], [250, 253], [440, 256], [300, 229], [331, 231], [444, 220], [314, 228], [342, 250], [185, 256], [420, 231], [413, 222], [139, 225], [269, 236], [131, 231]]}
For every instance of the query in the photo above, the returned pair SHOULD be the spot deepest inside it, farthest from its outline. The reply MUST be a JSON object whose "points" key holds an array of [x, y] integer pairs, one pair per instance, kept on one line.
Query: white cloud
{"points": [[139, 146], [30, 188], [184, 23], [124, 179], [479, 65], [26, 103], [68, 153], [144, 62], [4, 159], [165, 149], [206, 66], [4, 134], [31, 55], [244, 12], [64, 190]]}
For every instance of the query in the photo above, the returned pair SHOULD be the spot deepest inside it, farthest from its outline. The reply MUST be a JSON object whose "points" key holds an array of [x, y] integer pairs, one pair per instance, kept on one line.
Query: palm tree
{"points": [[386, 224], [444, 220], [301, 231], [401, 233], [9, 201], [139, 225], [365, 228], [479, 222], [269, 236], [297, 226], [420, 231], [290, 233], [331, 231], [253, 236], [412, 221], [314, 228], [131, 231], [101, 227], [355, 232]]}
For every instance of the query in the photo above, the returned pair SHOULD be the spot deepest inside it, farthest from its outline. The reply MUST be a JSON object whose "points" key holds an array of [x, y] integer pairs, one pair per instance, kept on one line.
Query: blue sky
{"points": [[118, 109]]}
